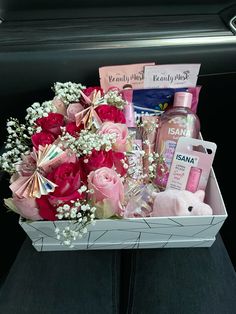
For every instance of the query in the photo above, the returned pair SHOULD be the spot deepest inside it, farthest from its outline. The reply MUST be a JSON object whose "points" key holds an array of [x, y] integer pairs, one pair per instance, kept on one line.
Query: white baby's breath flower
{"points": [[87, 142], [37, 111], [66, 207], [16, 145], [150, 168], [60, 216], [68, 92], [114, 98], [73, 215], [83, 188]]}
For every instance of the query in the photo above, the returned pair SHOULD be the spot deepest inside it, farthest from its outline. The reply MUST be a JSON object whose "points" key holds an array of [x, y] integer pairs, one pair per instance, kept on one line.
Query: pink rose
{"points": [[72, 109], [121, 131], [27, 207], [60, 106], [108, 192]]}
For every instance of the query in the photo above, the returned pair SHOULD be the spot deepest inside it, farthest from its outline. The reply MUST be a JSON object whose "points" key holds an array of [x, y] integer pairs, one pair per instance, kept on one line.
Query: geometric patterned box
{"points": [[138, 233]]}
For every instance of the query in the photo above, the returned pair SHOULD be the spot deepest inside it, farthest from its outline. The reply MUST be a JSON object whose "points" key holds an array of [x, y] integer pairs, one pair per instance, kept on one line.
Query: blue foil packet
{"points": [[154, 101]]}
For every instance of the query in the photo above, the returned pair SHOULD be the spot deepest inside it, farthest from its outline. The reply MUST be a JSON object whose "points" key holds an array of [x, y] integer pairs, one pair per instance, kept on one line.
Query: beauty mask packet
{"points": [[122, 75], [171, 75]]}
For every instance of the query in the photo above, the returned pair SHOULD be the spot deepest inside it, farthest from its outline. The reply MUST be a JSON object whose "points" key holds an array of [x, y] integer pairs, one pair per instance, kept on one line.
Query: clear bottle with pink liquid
{"points": [[178, 121]]}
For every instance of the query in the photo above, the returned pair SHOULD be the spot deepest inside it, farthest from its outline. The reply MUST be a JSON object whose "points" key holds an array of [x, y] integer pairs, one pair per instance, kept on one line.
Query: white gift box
{"points": [[138, 233]]}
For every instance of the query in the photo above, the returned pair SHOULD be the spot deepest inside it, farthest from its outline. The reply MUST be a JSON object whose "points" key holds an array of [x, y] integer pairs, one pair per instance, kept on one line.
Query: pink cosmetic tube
{"points": [[149, 132], [149, 128], [193, 179], [146, 163], [127, 95]]}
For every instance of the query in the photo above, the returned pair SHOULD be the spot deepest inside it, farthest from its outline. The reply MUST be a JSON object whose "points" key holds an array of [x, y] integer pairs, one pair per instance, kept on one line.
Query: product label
{"points": [[177, 177], [189, 159], [168, 152], [171, 132], [179, 132], [119, 77], [179, 172]]}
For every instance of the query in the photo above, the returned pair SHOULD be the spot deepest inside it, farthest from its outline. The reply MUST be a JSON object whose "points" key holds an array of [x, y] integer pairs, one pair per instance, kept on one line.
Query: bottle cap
{"points": [[183, 99]]}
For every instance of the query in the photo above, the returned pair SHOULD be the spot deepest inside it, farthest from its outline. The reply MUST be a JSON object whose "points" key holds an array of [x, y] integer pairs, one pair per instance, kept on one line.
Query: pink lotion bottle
{"points": [[178, 121]]}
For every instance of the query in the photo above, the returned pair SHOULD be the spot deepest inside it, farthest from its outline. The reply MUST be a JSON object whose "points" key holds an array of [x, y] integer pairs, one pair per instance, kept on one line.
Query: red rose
{"points": [[98, 159], [46, 210], [117, 157], [52, 123], [42, 138], [68, 177], [88, 91], [110, 113], [73, 130]]}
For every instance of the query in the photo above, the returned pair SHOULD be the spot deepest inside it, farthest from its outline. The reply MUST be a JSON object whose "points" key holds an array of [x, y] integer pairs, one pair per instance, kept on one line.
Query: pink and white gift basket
{"points": [[86, 173]]}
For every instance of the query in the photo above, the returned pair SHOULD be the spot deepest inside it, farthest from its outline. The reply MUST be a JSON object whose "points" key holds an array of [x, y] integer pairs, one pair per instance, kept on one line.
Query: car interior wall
{"points": [[10, 9]]}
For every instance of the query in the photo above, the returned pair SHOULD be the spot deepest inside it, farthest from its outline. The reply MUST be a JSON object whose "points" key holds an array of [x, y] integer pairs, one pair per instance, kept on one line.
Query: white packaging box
{"points": [[138, 233]]}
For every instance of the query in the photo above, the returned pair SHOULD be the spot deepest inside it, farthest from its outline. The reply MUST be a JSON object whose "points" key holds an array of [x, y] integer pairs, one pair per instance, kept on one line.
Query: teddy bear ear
{"points": [[200, 195]]}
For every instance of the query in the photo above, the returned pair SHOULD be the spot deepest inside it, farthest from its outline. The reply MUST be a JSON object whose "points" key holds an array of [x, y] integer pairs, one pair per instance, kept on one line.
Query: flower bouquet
{"points": [[71, 159]]}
